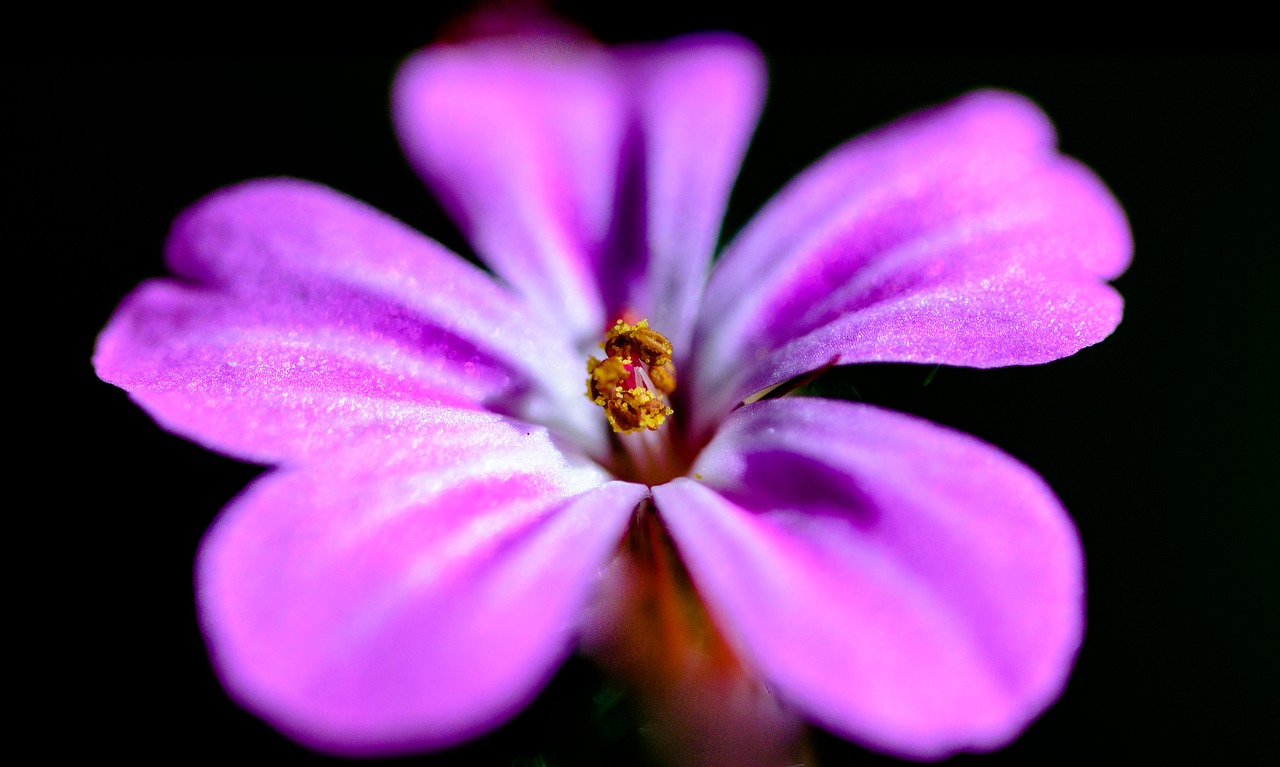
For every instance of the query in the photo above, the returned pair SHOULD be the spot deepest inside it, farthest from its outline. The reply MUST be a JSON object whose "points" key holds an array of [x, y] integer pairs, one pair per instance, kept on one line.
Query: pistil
{"points": [[633, 384]]}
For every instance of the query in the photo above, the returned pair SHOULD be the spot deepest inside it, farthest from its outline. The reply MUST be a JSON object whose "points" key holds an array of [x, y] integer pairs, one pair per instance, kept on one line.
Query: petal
{"points": [[313, 318], [407, 595], [699, 98], [954, 236], [521, 138], [906, 586], [593, 182]]}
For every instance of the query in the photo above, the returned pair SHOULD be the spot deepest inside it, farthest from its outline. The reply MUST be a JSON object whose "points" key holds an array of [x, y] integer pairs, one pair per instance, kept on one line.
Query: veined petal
{"points": [[906, 586], [521, 138], [407, 595], [956, 236], [698, 98], [311, 317], [592, 181]]}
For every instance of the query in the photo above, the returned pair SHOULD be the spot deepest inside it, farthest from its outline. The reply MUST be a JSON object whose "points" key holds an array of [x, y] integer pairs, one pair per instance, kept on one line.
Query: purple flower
{"points": [[449, 514]]}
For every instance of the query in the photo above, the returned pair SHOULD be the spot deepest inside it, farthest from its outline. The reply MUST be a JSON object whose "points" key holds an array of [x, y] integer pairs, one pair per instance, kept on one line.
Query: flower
{"points": [[445, 498]]}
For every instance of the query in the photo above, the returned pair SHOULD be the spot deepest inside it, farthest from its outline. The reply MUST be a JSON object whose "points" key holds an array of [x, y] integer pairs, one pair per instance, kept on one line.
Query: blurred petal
{"points": [[906, 586], [407, 594], [313, 318], [593, 182], [699, 98], [521, 138], [956, 236]]}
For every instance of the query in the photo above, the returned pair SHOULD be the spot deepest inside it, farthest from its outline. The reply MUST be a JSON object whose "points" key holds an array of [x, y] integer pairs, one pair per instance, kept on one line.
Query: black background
{"points": [[1160, 441]]}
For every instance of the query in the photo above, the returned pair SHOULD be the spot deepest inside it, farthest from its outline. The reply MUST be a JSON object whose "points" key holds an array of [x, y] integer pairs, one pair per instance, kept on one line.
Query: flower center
{"points": [[633, 383], [635, 378]]}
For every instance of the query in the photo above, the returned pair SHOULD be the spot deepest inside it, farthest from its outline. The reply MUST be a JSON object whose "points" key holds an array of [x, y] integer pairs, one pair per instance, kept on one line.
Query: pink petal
{"points": [[407, 595], [592, 182], [699, 98], [956, 236], [906, 586], [521, 139], [313, 318]]}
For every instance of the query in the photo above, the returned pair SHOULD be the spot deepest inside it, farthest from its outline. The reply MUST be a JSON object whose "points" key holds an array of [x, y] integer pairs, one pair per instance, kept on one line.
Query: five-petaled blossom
{"points": [[455, 485]]}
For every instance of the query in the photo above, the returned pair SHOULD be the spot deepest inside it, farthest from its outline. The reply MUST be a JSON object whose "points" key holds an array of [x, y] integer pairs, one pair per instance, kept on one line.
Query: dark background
{"points": [[1160, 441]]}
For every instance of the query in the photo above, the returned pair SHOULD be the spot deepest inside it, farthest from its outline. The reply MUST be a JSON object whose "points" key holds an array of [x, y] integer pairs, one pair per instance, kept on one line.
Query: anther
{"points": [[634, 379]]}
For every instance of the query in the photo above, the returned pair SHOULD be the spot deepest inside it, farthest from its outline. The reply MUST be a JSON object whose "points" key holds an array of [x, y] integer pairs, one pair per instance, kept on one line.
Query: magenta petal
{"points": [[593, 182], [699, 98], [522, 138], [956, 236], [906, 586], [313, 318], [405, 596]]}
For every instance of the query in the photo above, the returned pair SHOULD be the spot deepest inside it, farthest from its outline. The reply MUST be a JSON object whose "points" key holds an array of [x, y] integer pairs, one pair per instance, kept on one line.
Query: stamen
{"points": [[634, 379]]}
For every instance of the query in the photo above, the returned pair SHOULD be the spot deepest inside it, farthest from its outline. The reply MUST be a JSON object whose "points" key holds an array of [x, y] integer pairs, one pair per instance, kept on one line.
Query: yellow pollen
{"points": [[633, 380]]}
